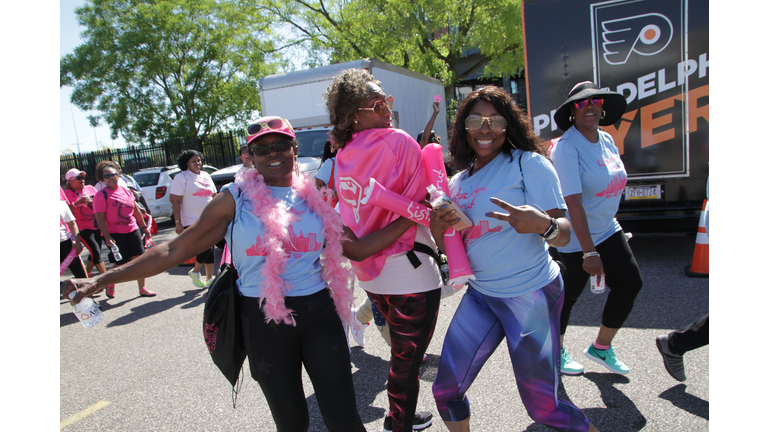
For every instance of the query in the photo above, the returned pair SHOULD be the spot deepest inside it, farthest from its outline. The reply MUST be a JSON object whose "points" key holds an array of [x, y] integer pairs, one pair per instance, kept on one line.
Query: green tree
{"points": [[426, 36], [158, 69]]}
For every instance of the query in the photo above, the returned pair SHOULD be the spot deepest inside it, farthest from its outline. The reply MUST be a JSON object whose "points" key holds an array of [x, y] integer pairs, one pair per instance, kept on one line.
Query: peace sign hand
{"points": [[524, 219]]}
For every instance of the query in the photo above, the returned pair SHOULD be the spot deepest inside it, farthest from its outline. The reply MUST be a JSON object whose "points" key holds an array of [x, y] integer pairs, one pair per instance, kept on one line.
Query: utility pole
{"points": [[73, 124]]}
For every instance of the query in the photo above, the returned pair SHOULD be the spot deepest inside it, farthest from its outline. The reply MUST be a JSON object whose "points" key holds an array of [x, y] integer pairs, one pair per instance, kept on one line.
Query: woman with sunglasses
{"points": [[403, 283], [511, 193], [593, 178], [80, 198], [293, 280], [119, 219], [191, 190]]}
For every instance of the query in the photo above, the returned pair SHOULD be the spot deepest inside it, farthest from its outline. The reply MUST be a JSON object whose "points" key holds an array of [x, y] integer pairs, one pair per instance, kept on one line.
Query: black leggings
{"points": [[276, 353], [206, 256], [76, 267], [695, 335], [92, 240], [622, 275]]}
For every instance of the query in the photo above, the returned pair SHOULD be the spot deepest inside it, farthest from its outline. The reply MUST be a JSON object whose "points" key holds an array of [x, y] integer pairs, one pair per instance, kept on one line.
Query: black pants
{"points": [[92, 240], [206, 256], [76, 267], [276, 353], [622, 275], [695, 335]]}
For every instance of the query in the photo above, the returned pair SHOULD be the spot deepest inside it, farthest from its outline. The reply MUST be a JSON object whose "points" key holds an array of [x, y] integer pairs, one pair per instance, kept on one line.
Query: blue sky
{"points": [[74, 125]]}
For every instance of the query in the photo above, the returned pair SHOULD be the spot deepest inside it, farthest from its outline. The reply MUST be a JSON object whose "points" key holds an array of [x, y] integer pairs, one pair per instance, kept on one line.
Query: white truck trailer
{"points": [[298, 96]]}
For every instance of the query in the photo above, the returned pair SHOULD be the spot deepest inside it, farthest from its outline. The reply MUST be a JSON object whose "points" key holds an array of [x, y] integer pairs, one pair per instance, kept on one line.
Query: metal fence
{"points": [[219, 150]]}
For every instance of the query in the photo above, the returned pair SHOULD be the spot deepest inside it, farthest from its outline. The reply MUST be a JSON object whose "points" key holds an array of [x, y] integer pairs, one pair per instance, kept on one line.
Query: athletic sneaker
{"points": [[421, 420], [196, 279], [208, 283], [568, 365], [358, 329], [672, 362], [606, 358]]}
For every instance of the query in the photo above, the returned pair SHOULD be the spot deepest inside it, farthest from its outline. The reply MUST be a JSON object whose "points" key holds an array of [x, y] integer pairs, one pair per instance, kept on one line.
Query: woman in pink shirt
{"points": [[80, 199], [119, 219]]}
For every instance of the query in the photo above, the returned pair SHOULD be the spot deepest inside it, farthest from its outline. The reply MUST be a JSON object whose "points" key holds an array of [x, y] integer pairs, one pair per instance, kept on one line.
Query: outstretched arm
{"points": [[430, 124], [201, 235]]}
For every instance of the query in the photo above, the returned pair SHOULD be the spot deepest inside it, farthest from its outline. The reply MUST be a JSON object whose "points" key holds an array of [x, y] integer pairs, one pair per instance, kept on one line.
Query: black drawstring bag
{"points": [[222, 328]]}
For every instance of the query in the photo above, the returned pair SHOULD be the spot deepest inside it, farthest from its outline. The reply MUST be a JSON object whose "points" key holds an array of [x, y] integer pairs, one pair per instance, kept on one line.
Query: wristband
{"points": [[178, 221], [591, 254]]}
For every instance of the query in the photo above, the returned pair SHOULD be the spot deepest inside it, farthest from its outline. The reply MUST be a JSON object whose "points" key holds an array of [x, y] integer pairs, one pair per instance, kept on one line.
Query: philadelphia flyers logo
{"points": [[645, 35]]}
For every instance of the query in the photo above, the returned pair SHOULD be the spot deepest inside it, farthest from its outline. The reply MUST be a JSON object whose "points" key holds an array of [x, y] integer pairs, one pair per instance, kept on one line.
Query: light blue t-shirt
{"points": [[595, 171], [506, 263], [307, 237], [324, 173]]}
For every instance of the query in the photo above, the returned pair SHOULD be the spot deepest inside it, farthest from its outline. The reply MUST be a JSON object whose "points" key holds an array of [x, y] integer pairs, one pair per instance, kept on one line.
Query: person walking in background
{"points": [[119, 220], [80, 198], [69, 241], [406, 293], [593, 178], [511, 193], [428, 136], [191, 190], [247, 161], [326, 175]]}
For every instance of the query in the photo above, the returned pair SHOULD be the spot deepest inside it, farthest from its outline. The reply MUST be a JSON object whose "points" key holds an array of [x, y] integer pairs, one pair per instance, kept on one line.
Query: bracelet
{"points": [[178, 221], [591, 254]]}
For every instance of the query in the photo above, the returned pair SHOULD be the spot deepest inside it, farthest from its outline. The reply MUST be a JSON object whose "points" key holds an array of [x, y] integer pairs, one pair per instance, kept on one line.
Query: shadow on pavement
{"points": [[153, 307], [688, 402]]}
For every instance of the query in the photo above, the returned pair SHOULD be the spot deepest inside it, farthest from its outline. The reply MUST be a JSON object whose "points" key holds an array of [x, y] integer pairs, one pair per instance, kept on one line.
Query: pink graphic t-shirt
{"points": [[83, 213], [394, 159], [118, 208]]}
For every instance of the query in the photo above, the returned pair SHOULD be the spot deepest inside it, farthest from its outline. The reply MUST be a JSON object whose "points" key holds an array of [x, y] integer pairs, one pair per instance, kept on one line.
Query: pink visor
{"points": [[266, 125]]}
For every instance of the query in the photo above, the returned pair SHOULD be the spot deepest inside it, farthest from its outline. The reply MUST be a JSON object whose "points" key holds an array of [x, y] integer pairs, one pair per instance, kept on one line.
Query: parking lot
{"points": [[148, 368]]}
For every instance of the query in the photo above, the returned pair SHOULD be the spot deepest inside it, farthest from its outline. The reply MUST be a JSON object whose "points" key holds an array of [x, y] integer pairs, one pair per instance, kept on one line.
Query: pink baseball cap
{"points": [[267, 125], [72, 173]]}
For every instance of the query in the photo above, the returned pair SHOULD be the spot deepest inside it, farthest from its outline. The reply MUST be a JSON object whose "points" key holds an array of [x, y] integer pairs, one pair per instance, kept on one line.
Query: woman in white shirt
{"points": [[191, 190]]}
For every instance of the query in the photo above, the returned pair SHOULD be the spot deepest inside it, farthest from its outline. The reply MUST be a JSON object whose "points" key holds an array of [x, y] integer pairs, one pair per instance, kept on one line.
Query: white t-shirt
{"points": [[196, 190], [595, 171], [398, 277], [65, 215]]}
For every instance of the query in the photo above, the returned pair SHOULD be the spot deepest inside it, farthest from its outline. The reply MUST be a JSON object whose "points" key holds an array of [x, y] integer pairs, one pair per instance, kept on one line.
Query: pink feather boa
{"points": [[337, 272]]}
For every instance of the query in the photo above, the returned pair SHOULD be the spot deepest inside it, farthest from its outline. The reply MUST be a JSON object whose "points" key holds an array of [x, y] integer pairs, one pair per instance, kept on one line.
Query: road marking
{"points": [[83, 414]]}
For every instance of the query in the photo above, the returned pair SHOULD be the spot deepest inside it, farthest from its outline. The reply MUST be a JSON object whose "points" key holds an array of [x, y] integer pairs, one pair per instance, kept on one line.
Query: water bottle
{"points": [[116, 253], [86, 311], [597, 288]]}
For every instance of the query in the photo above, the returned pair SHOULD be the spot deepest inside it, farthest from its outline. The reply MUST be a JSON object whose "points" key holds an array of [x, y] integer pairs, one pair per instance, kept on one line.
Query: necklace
{"points": [[273, 213]]}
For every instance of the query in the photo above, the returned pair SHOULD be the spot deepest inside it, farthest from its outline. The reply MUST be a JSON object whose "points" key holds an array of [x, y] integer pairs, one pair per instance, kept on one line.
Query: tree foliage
{"points": [[157, 69], [426, 36]]}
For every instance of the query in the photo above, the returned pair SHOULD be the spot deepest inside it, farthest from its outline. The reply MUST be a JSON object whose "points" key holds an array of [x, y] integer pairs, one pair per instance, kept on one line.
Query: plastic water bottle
{"points": [[116, 253], [86, 311], [597, 288]]}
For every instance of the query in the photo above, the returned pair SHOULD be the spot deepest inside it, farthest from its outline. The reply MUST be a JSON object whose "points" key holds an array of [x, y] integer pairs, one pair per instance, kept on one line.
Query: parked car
{"points": [[311, 142], [155, 186]]}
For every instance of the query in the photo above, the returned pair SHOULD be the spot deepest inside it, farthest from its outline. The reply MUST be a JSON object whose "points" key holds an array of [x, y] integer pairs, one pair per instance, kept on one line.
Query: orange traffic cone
{"points": [[189, 262], [700, 265]]}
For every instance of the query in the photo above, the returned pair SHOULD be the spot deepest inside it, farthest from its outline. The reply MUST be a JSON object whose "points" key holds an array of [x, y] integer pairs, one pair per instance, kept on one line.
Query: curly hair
{"points": [[185, 157], [342, 98], [106, 164], [519, 130]]}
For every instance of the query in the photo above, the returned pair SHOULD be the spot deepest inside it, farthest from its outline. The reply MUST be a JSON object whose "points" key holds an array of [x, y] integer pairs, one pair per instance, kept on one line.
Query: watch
{"points": [[553, 231]]}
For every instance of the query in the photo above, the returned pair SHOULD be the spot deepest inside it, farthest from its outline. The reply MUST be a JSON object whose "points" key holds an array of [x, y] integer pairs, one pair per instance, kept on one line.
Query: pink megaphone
{"points": [[378, 195], [459, 271]]}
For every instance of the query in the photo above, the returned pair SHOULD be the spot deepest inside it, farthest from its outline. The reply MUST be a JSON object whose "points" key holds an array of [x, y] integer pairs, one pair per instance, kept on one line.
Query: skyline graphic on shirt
{"points": [[477, 231], [299, 244], [615, 187]]}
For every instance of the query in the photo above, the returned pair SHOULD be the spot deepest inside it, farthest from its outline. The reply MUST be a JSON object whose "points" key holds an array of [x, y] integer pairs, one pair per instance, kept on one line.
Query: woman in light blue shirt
{"points": [[593, 178]]}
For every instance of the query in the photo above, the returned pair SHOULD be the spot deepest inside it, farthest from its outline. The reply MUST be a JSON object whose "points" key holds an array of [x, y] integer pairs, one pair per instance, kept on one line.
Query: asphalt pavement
{"points": [[150, 370]]}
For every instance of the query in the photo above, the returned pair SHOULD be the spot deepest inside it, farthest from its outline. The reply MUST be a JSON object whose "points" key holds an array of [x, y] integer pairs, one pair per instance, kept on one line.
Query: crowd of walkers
{"points": [[543, 223]]}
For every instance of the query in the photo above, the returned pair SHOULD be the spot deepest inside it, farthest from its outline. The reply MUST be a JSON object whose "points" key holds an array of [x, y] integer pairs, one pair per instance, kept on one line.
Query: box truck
{"points": [[655, 53], [298, 96]]}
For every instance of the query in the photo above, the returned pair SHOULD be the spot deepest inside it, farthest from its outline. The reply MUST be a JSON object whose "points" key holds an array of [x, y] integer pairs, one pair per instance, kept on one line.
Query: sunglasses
{"points": [[473, 123], [595, 101], [380, 105], [274, 124], [82, 178], [280, 147], [109, 176]]}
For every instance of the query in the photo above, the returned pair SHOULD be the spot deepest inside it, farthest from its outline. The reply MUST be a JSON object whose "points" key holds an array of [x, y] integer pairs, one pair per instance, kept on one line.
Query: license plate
{"points": [[642, 192]]}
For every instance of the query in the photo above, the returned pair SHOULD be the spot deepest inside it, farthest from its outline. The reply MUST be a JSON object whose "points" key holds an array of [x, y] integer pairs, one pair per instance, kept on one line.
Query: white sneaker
{"points": [[358, 329]]}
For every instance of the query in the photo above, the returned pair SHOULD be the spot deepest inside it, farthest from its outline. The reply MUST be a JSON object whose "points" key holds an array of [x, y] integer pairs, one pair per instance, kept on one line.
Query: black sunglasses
{"points": [[108, 176], [263, 150]]}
